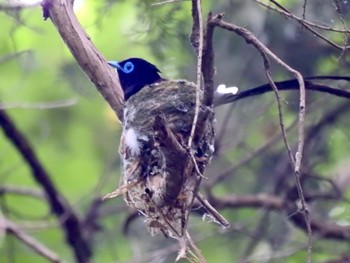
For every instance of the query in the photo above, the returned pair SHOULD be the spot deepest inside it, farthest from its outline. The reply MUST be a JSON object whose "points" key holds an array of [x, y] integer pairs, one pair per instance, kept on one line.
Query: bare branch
{"points": [[341, 259], [320, 227], [167, 2], [279, 106], [32, 243], [197, 43], [208, 63], [59, 206], [212, 211], [18, 6], [306, 24], [14, 55], [176, 162], [286, 13], [39, 105], [88, 57], [7, 189], [291, 84], [264, 51], [251, 156]]}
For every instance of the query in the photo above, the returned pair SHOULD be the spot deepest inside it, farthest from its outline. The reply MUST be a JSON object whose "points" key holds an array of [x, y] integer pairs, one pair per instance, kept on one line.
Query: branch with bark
{"points": [[11, 228], [71, 224], [88, 57]]}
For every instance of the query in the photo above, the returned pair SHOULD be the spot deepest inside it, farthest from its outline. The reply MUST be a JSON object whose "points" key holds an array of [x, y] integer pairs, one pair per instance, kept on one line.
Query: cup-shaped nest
{"points": [[161, 174]]}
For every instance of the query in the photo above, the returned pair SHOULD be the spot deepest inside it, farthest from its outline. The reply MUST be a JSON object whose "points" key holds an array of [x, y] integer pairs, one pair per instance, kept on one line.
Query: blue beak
{"points": [[114, 64]]}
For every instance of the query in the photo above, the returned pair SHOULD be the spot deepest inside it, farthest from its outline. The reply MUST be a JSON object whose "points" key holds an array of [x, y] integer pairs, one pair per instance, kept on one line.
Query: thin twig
{"points": [[18, 6], [251, 156], [286, 13], [297, 162], [280, 112], [264, 51], [195, 249], [39, 105], [28, 240], [304, 9], [198, 33], [167, 2], [326, 229], [212, 211], [16, 190], [308, 25], [5, 58], [340, 12], [71, 224]]}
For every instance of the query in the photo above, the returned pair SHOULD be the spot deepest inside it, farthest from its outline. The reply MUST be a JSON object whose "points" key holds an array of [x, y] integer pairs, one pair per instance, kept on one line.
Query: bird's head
{"points": [[134, 74]]}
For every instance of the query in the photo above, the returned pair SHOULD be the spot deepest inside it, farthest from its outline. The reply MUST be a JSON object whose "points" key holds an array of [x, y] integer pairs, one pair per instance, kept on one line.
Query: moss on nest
{"points": [[163, 195]]}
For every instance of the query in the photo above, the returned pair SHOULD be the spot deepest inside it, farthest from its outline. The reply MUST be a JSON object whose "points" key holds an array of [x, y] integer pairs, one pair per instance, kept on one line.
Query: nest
{"points": [[160, 173]]}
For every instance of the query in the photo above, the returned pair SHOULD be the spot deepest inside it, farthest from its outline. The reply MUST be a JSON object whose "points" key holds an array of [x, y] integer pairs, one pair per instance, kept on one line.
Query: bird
{"points": [[137, 73], [134, 74], [158, 176]]}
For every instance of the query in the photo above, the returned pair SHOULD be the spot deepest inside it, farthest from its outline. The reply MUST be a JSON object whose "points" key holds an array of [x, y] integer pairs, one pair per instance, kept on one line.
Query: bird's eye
{"points": [[128, 67]]}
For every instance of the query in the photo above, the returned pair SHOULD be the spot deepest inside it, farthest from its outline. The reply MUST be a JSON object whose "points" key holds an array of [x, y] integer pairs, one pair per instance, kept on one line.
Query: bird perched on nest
{"points": [[134, 74], [159, 176]]}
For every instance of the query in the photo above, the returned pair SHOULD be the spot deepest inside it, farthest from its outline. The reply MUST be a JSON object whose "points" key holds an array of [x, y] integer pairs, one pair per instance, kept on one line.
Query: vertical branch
{"points": [[208, 63], [298, 157], [197, 43], [297, 162], [304, 9], [264, 51], [279, 105]]}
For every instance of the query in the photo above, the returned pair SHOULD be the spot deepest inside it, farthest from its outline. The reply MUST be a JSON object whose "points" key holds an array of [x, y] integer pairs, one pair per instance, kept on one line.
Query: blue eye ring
{"points": [[128, 67]]}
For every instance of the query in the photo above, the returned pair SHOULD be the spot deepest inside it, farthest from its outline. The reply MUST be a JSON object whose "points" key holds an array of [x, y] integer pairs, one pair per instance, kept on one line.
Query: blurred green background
{"points": [[77, 138]]}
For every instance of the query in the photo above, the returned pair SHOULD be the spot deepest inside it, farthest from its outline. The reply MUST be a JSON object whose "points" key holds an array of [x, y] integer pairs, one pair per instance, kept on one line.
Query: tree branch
{"points": [[13, 229], [176, 162], [291, 84], [308, 25], [71, 225], [208, 63], [88, 57], [197, 43], [320, 227], [9, 189]]}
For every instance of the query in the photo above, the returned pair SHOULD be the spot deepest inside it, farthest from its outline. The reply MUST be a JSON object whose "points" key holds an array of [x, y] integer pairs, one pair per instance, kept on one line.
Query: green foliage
{"points": [[78, 143]]}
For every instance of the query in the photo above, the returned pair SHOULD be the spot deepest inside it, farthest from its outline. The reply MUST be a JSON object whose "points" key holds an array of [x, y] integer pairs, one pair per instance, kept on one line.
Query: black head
{"points": [[134, 74]]}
